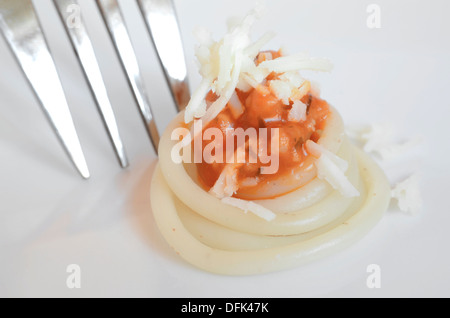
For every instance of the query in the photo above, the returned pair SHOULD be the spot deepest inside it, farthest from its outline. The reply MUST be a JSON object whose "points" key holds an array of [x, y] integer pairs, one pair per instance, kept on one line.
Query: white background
{"points": [[50, 217]]}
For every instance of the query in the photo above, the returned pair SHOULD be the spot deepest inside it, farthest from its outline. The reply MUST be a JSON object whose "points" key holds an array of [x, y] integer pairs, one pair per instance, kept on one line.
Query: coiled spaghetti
{"points": [[312, 221], [323, 195]]}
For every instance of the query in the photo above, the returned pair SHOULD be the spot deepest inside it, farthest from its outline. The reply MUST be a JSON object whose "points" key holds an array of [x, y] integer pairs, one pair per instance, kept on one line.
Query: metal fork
{"points": [[22, 31], [85, 52]]}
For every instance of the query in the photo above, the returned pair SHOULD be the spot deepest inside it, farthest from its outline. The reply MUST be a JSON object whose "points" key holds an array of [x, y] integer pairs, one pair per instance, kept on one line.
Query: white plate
{"points": [[50, 218]]}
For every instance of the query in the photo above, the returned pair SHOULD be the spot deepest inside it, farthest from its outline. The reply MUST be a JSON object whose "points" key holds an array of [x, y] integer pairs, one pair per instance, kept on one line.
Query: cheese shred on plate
{"points": [[407, 194]]}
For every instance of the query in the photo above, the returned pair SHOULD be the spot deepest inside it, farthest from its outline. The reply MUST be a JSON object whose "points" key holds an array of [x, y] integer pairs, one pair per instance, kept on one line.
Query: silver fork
{"points": [[118, 32], [22, 31], [85, 52], [162, 23]]}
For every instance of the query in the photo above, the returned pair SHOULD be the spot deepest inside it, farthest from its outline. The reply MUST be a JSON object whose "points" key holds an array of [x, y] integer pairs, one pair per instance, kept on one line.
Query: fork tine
{"points": [[118, 32], [162, 24], [23, 33], [85, 52]]}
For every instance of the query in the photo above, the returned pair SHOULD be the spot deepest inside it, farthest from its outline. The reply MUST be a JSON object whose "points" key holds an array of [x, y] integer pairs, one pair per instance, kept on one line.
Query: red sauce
{"points": [[262, 109]]}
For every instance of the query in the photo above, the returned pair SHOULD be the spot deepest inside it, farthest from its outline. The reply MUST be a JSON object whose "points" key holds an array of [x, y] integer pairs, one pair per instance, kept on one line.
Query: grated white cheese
{"points": [[255, 48], [267, 56], [203, 36], [329, 171], [392, 150], [289, 87], [236, 106], [248, 82], [331, 168], [244, 85], [318, 150], [249, 206], [297, 112], [379, 139], [294, 78], [197, 99], [226, 185], [220, 65], [282, 90], [230, 63], [407, 194]]}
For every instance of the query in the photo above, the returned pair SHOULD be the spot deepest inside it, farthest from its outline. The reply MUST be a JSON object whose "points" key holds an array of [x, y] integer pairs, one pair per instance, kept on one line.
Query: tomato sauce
{"points": [[262, 109]]}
